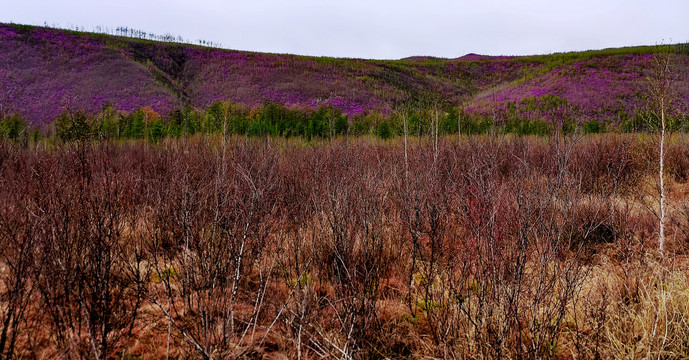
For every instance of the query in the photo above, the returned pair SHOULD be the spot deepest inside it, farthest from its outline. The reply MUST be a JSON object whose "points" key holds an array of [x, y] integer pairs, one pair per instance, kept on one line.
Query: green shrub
{"points": [[72, 126], [361, 126], [257, 128], [527, 127], [156, 131], [592, 127], [13, 127], [342, 125], [384, 131]]}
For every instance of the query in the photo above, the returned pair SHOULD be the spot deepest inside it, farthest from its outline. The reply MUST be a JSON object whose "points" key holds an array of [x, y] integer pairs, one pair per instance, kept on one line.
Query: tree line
{"points": [[327, 122], [126, 31]]}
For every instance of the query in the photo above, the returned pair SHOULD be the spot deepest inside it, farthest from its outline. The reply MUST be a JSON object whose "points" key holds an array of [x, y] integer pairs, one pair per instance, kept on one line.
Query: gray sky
{"points": [[380, 29]]}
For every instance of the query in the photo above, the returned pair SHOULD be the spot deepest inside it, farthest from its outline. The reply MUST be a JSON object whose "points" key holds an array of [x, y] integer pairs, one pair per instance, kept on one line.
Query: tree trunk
{"points": [[406, 161], [459, 125], [661, 230]]}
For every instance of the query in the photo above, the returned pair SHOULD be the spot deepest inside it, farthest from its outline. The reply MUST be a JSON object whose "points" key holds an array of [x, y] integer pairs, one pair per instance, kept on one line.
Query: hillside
{"points": [[45, 71]]}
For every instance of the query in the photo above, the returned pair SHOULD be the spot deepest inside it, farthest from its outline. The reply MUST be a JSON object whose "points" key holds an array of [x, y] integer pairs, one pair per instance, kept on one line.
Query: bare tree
{"points": [[661, 82], [224, 234], [20, 221], [353, 250]]}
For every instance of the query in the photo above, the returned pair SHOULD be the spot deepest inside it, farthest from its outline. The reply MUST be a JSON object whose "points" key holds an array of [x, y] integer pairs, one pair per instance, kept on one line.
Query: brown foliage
{"points": [[489, 247]]}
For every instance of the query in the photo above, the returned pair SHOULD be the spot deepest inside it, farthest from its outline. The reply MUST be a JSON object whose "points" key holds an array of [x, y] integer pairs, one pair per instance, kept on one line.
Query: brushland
{"points": [[47, 74], [233, 247]]}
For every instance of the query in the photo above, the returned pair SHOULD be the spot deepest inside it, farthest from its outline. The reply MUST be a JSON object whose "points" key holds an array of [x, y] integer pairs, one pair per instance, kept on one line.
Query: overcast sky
{"points": [[380, 29]]}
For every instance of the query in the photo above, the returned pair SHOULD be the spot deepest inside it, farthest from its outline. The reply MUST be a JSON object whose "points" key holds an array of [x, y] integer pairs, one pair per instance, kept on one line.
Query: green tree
{"points": [[449, 123], [138, 125], [105, 122], [416, 124], [317, 126], [592, 127], [215, 117], [156, 131], [360, 126], [384, 130], [72, 126], [240, 125], [342, 125], [192, 120], [175, 124], [13, 127], [257, 128]]}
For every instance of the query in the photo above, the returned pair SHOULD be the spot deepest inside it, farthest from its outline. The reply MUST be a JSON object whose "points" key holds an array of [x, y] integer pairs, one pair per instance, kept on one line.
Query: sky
{"points": [[377, 29]]}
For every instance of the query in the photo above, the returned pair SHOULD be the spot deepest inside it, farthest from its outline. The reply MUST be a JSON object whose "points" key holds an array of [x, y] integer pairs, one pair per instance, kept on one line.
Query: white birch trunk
{"points": [[661, 230]]}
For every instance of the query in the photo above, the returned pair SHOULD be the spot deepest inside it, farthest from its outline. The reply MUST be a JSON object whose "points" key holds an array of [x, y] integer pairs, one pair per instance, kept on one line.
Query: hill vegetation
{"points": [[47, 73]]}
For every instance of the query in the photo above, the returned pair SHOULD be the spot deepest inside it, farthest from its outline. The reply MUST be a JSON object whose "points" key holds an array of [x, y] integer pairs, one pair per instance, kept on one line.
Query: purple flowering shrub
{"points": [[252, 79], [50, 71], [45, 71], [601, 88]]}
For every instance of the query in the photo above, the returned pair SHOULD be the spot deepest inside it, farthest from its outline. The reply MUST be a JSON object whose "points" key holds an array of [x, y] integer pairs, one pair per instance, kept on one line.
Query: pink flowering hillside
{"points": [[44, 72], [607, 88]]}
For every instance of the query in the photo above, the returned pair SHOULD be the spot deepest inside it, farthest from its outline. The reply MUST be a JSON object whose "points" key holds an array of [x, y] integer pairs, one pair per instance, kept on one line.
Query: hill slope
{"points": [[45, 71]]}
